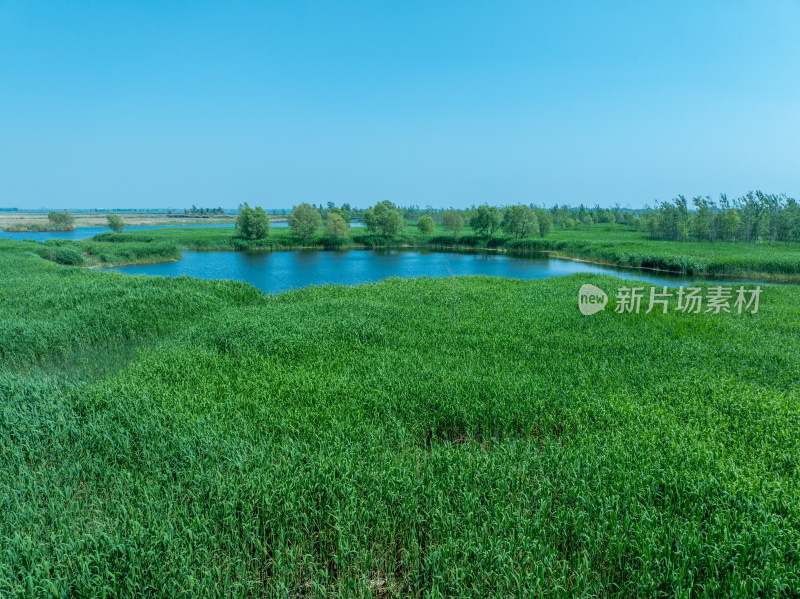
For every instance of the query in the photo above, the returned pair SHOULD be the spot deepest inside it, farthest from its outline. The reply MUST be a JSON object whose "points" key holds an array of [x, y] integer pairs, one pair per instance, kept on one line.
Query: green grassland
{"points": [[623, 246], [195, 438]]}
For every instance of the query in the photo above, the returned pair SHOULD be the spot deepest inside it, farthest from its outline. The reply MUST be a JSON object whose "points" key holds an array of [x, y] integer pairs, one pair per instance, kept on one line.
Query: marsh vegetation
{"points": [[200, 438]]}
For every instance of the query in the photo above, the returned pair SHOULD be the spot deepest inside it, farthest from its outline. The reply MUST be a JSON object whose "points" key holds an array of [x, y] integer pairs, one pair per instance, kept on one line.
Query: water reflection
{"points": [[278, 271]]}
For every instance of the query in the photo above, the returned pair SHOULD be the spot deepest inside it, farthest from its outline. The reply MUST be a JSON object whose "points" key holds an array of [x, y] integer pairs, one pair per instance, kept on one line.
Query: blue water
{"points": [[279, 271], [87, 232]]}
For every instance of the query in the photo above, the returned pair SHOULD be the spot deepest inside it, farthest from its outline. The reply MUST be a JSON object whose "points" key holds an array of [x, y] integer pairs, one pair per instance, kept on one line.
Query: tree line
{"points": [[753, 217], [388, 220], [750, 218], [201, 212], [304, 219]]}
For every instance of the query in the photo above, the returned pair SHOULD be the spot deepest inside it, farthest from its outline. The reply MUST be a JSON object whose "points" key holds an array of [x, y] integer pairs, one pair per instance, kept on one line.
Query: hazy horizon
{"points": [[287, 209], [447, 104]]}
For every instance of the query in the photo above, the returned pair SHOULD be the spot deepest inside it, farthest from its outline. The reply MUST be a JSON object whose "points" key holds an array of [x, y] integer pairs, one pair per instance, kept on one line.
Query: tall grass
{"points": [[623, 246], [337, 441]]}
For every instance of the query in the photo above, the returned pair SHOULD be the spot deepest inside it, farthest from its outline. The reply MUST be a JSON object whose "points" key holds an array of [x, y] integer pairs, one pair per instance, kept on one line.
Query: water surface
{"points": [[279, 271], [87, 232]]}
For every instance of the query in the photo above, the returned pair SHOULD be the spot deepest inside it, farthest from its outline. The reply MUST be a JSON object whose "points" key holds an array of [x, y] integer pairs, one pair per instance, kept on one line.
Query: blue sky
{"points": [[447, 103]]}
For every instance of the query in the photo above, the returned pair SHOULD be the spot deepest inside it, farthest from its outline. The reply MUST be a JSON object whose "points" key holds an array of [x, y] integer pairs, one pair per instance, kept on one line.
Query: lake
{"points": [[87, 232], [278, 271]]}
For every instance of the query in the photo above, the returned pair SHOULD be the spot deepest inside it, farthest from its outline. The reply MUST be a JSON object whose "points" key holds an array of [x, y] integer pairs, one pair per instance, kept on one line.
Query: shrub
{"points": [[426, 225], [384, 219], [485, 220], [305, 220], [336, 228], [252, 223], [68, 256], [61, 220], [115, 223], [520, 221]]}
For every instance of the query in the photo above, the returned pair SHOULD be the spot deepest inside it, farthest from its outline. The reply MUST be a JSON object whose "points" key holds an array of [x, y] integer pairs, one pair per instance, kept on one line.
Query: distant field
{"points": [[200, 438], [98, 219]]}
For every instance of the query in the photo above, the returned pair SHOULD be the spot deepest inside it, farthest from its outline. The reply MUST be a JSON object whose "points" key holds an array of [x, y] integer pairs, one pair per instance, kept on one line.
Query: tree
{"points": [[61, 220], [729, 224], [426, 225], [790, 221], [452, 221], [336, 227], [702, 218], [384, 218], [252, 223], [304, 220], [683, 218], [344, 213], [485, 220], [750, 209], [671, 220], [115, 223], [543, 217], [520, 221]]}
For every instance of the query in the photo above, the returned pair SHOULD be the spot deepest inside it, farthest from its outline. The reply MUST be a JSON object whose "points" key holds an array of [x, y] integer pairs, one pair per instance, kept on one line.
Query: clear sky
{"points": [[447, 103]]}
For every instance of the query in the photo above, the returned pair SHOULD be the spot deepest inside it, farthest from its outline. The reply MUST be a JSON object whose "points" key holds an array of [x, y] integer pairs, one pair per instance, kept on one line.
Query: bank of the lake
{"points": [[618, 246]]}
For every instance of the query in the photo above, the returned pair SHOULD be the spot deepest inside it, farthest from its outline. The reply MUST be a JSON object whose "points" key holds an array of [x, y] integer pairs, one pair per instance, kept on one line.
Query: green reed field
{"points": [[623, 246], [195, 438]]}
